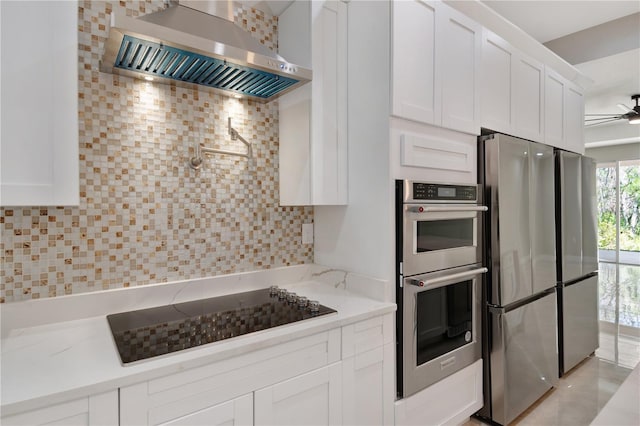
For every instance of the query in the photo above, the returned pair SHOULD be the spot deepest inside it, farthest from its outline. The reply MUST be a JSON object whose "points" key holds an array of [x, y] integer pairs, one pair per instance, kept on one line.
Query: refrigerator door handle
{"points": [[497, 310]]}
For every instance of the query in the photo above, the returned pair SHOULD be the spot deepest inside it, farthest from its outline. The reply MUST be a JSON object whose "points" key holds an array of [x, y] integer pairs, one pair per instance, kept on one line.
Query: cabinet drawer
{"points": [[238, 411], [171, 397], [366, 335]]}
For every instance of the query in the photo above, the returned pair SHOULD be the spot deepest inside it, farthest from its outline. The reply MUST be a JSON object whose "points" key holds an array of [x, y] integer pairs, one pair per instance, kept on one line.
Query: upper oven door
{"points": [[440, 236]]}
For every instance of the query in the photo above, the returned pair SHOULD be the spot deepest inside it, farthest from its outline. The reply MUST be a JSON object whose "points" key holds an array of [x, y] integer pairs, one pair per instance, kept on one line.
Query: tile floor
{"points": [[583, 391]]}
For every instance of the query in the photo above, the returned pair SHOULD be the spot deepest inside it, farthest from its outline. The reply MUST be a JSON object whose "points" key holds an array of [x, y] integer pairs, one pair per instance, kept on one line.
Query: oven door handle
{"points": [[452, 277], [423, 209]]}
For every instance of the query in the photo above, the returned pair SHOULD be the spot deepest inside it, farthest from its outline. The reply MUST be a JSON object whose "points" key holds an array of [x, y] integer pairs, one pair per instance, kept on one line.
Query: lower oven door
{"points": [[441, 325]]}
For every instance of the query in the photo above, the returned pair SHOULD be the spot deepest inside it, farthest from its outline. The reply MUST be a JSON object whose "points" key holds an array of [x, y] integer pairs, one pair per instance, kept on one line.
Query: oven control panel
{"points": [[423, 191]]}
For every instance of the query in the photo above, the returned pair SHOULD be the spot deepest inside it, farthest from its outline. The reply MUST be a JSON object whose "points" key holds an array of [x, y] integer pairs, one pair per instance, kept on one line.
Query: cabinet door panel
{"points": [[328, 115], [459, 56], [497, 62], [554, 109], [414, 83], [311, 399], [366, 380], [39, 141], [528, 92], [574, 119], [235, 412], [313, 118]]}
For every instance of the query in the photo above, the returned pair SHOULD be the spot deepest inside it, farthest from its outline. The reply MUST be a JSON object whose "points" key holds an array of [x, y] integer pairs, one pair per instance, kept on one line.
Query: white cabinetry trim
{"points": [[450, 401]]}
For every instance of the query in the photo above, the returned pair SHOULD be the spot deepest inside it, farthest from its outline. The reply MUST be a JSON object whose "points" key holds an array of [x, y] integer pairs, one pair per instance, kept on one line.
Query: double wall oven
{"points": [[439, 267]]}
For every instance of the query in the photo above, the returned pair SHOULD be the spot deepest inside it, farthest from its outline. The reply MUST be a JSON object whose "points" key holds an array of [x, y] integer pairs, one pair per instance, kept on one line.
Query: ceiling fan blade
{"points": [[624, 108], [601, 122], [615, 117], [607, 115]]}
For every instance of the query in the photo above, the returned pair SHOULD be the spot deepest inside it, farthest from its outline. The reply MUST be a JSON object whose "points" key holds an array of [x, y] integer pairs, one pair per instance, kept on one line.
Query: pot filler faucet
{"points": [[196, 161]]}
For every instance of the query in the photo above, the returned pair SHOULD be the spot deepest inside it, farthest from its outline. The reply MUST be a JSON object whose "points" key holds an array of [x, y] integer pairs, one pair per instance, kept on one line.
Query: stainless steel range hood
{"points": [[196, 42]]}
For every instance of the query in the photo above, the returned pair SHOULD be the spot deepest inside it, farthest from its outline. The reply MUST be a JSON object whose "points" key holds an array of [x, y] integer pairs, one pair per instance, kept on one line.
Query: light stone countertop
{"points": [[46, 364]]}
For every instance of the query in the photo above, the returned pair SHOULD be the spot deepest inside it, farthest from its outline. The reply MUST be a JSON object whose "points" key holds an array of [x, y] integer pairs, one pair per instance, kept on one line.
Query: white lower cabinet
{"points": [[175, 397], [368, 388], [341, 376], [368, 372], [94, 410], [311, 399]]}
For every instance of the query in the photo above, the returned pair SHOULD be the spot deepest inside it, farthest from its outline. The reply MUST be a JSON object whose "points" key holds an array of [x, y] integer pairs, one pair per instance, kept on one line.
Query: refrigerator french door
{"points": [[577, 248], [520, 347]]}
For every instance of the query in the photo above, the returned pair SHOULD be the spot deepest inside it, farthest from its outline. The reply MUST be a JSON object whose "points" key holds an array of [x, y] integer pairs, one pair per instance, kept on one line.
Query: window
{"points": [[618, 199], [619, 211]]}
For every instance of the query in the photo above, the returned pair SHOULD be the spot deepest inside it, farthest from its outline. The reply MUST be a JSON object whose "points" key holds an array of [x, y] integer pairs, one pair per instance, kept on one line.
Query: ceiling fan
{"points": [[631, 114]]}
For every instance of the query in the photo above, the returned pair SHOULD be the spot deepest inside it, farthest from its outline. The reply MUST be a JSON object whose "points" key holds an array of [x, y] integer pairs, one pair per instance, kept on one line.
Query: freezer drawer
{"points": [[579, 321], [524, 357]]}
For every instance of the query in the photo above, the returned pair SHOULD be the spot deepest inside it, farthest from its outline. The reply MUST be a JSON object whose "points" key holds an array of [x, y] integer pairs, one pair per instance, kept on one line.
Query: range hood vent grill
{"points": [[184, 46], [157, 60]]}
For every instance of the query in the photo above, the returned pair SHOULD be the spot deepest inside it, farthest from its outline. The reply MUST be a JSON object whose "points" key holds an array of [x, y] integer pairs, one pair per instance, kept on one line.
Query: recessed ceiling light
{"points": [[148, 78]]}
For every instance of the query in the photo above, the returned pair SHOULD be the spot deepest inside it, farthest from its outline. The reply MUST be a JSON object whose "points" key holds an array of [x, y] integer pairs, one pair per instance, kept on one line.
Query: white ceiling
{"points": [[548, 20]]}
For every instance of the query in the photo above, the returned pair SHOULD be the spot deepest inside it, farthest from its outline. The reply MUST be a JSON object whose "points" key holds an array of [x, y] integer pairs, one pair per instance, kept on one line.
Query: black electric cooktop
{"points": [[147, 333]]}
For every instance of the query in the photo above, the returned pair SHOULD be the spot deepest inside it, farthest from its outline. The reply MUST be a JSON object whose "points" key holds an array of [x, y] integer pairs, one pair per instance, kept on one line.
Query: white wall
{"points": [[630, 151]]}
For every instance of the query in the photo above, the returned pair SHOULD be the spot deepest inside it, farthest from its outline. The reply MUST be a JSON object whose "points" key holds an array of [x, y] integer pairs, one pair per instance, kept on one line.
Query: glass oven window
{"points": [[444, 320], [443, 234]]}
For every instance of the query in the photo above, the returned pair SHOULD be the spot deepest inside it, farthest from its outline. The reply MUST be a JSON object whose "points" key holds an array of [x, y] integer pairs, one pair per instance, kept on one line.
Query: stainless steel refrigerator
{"points": [[577, 249], [520, 346]]}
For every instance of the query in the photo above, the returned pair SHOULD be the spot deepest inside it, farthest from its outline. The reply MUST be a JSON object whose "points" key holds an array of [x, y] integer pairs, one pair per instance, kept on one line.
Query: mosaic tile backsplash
{"points": [[144, 215]]}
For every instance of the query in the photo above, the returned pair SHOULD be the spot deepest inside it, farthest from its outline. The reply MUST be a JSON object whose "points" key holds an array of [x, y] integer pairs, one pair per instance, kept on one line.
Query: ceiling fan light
{"points": [[635, 119]]}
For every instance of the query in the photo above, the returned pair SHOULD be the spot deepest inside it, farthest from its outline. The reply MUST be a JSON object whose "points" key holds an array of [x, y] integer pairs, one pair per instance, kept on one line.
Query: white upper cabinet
{"points": [[554, 95], [528, 98], [498, 58], [574, 118], [313, 118], [513, 90], [435, 58], [39, 136], [459, 56], [415, 87], [564, 113]]}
